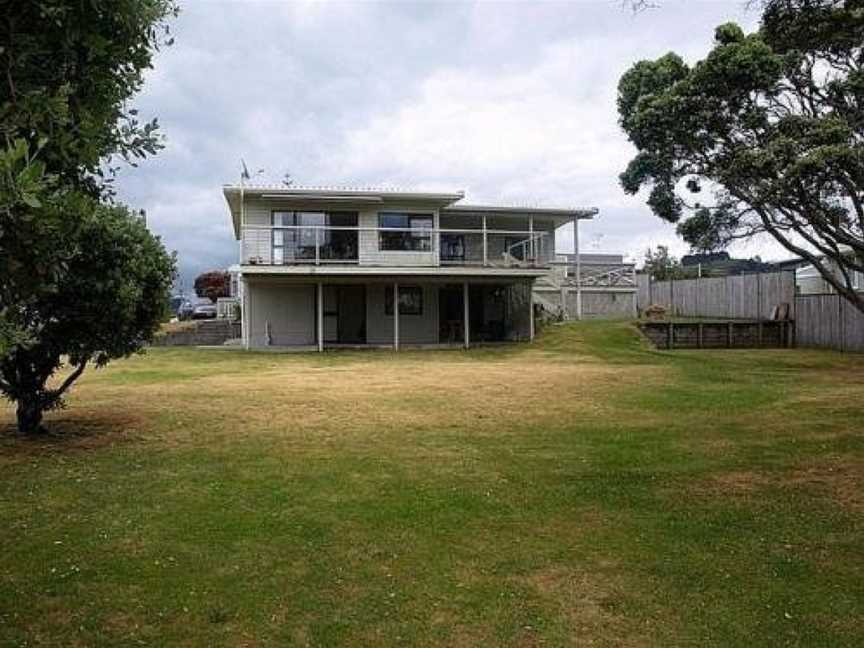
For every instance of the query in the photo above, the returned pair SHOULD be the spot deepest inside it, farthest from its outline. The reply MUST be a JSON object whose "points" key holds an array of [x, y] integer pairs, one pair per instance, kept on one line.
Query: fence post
{"points": [[670, 336], [672, 295]]}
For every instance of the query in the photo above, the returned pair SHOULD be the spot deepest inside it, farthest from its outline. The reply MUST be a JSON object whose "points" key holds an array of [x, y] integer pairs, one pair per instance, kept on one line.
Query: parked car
{"points": [[196, 309]]}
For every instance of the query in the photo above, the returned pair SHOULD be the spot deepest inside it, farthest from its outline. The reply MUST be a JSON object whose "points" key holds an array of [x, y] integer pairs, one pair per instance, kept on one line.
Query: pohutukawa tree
{"points": [[69, 71], [213, 284], [771, 125]]}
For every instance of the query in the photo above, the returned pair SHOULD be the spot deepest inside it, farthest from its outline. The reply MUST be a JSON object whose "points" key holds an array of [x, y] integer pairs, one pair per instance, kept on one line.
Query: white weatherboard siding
{"points": [[290, 310], [258, 243], [413, 329]]}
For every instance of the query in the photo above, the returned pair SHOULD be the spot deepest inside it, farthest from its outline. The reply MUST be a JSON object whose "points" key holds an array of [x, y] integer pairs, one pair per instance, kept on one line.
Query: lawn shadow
{"points": [[78, 430]]}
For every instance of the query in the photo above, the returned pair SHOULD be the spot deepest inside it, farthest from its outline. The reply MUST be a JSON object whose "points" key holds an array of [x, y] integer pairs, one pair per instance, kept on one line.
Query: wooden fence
{"points": [[828, 321], [752, 296]]}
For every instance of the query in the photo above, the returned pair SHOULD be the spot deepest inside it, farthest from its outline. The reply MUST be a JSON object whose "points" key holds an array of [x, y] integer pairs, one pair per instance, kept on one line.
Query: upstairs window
{"points": [[294, 236], [414, 232]]}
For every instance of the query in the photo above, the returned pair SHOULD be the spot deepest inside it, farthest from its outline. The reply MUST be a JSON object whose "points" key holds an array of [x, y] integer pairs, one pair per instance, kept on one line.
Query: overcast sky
{"points": [[507, 101]]}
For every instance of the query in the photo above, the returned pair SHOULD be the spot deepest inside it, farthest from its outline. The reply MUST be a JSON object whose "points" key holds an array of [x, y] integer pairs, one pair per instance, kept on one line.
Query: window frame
{"points": [[417, 309], [296, 239], [421, 236]]}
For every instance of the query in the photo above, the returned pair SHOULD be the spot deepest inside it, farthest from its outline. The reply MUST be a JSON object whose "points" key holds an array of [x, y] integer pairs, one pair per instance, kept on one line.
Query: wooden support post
{"points": [[320, 318], [578, 269], [246, 316], [670, 336], [729, 335], [466, 313], [759, 334], [531, 309], [699, 333], [317, 246], [395, 316]]}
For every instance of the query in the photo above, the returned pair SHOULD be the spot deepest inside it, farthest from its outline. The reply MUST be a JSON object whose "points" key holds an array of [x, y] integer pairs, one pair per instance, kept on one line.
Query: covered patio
{"points": [[290, 311]]}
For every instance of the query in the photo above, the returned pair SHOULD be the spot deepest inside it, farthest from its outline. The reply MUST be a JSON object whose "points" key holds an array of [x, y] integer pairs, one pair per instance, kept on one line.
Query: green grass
{"points": [[584, 489]]}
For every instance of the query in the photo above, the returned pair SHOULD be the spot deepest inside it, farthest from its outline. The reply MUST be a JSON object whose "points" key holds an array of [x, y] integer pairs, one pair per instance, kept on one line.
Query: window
{"points": [[296, 242], [410, 300], [415, 234], [452, 247]]}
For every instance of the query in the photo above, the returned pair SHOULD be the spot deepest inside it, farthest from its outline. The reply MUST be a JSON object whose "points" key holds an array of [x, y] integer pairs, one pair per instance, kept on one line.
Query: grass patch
{"points": [[585, 489]]}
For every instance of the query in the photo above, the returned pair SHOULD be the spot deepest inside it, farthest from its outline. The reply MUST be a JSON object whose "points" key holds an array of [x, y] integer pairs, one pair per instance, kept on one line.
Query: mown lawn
{"points": [[583, 490]]}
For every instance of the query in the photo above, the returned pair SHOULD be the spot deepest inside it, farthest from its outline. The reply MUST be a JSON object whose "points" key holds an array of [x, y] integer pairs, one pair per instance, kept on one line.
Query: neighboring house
{"points": [[381, 267], [591, 286], [808, 280], [720, 264]]}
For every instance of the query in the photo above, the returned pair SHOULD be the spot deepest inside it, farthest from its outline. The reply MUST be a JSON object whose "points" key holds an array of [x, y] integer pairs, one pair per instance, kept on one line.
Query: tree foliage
{"points": [[107, 304], [213, 285], [662, 266], [770, 125], [67, 73], [69, 69]]}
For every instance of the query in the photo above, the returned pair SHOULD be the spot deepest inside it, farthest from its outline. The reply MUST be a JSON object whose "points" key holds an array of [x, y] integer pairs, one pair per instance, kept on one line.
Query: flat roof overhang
{"points": [[390, 272], [333, 198]]}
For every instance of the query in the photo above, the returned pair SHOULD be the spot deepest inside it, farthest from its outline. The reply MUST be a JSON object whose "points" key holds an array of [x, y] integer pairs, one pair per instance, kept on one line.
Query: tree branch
{"points": [[71, 378]]}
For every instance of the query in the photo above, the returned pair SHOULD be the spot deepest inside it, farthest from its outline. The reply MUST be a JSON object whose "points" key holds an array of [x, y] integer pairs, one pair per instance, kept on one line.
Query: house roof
{"points": [[336, 195], [569, 212]]}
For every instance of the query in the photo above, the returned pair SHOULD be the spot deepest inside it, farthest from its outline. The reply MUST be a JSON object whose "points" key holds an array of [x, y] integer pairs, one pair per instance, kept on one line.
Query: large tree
{"points": [[107, 304], [771, 125], [68, 69]]}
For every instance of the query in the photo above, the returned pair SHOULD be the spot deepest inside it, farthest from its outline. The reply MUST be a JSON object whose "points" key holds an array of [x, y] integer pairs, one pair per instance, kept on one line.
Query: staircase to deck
{"points": [[214, 332]]}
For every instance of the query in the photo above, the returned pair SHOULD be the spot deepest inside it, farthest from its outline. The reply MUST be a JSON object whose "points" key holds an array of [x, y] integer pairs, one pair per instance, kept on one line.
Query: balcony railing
{"points": [[325, 244], [597, 275]]}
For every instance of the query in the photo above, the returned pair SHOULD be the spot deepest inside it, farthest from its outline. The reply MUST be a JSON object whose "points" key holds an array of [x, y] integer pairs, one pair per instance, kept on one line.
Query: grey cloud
{"points": [[508, 101]]}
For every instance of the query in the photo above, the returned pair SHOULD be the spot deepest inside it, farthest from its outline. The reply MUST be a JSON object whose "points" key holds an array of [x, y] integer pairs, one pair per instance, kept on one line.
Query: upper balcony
{"points": [[279, 245], [297, 229]]}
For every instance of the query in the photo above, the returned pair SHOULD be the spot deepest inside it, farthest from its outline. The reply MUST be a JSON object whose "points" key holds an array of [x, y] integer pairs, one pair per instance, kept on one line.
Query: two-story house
{"points": [[336, 267]]}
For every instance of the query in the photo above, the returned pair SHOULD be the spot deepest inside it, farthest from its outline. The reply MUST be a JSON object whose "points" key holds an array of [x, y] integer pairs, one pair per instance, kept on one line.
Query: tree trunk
{"points": [[30, 416]]}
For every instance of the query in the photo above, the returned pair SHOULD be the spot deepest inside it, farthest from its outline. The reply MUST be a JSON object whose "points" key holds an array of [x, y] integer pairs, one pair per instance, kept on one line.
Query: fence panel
{"points": [[818, 321], [643, 290], [828, 321], [736, 297], [852, 327]]}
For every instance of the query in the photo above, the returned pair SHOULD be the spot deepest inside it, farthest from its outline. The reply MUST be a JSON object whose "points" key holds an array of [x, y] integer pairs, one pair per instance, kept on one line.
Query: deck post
{"points": [[466, 326], [395, 316], [578, 269], [317, 246], [247, 315], [320, 318], [531, 311]]}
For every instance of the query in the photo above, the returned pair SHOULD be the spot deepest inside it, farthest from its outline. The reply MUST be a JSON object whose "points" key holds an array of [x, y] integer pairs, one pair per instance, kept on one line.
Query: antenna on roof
{"points": [[287, 180]]}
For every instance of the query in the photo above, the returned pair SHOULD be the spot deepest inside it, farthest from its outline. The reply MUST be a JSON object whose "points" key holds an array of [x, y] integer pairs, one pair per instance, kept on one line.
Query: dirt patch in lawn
{"points": [[481, 397], [587, 605], [840, 481]]}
